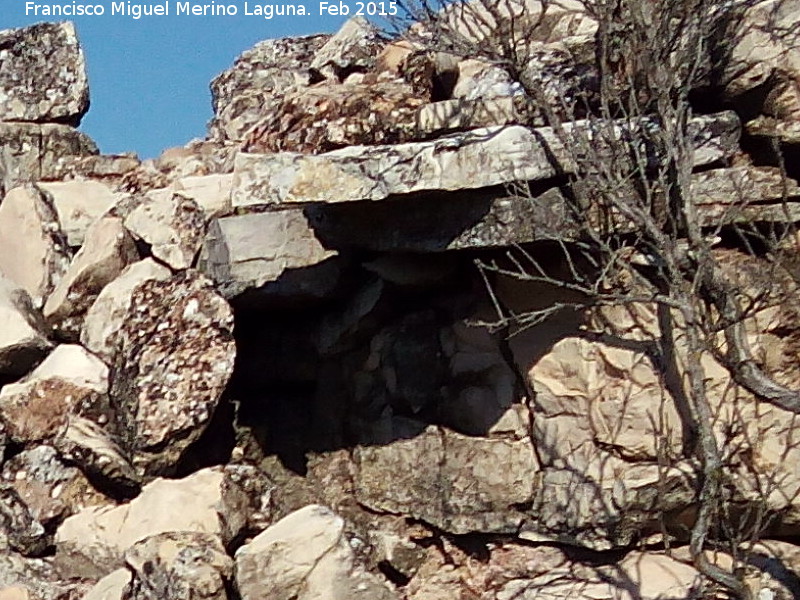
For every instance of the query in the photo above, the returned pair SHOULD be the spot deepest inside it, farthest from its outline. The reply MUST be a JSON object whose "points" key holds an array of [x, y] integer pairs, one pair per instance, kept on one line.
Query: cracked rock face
{"points": [[173, 354], [31, 87]]}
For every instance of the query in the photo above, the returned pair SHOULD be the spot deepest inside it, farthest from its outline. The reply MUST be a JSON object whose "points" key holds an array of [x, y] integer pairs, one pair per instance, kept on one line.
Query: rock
{"points": [[51, 489], [259, 76], [460, 115], [353, 48], [187, 565], [106, 316], [457, 221], [323, 118], [211, 192], [478, 497], [172, 224], [174, 353], [305, 555], [249, 250], [23, 341], [31, 87], [478, 80], [33, 152], [35, 579], [34, 253], [111, 587], [472, 160], [104, 168], [79, 204], [69, 381], [765, 55], [93, 542], [108, 249], [18, 527]]}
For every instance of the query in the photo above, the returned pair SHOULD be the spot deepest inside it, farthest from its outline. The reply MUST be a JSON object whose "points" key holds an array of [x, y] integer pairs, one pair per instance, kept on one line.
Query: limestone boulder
{"points": [[353, 48], [34, 252], [107, 314], [171, 224], [476, 159], [113, 586], [478, 497], [330, 116], [259, 76], [305, 555], [107, 250], [173, 356], [34, 151], [79, 203], [250, 250], [23, 340], [93, 542], [188, 565], [31, 88], [212, 193], [34, 579]]}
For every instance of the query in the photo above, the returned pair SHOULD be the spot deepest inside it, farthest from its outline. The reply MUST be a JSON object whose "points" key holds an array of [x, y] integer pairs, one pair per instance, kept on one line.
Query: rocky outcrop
{"points": [[30, 88], [340, 348]]}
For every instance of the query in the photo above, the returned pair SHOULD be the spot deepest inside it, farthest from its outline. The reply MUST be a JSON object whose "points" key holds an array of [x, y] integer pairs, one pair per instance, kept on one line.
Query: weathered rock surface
{"points": [[247, 251], [305, 555], [190, 565], [263, 73], [34, 151], [108, 312], [351, 49], [93, 542], [477, 497], [477, 159], [34, 252], [31, 89], [113, 586], [172, 224], [212, 193], [174, 354], [23, 340], [323, 118], [107, 250], [79, 204], [69, 382]]}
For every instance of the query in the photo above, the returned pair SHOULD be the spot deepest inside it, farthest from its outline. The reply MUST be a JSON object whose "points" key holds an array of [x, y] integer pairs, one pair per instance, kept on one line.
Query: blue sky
{"points": [[149, 77]]}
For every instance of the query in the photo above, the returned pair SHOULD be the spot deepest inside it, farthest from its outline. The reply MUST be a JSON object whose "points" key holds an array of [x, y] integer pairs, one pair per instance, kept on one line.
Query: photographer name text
{"points": [[269, 10]]}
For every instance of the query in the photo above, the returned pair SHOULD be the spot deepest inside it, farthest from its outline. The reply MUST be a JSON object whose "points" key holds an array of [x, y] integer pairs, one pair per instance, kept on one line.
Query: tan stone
{"points": [[79, 204], [33, 250]]}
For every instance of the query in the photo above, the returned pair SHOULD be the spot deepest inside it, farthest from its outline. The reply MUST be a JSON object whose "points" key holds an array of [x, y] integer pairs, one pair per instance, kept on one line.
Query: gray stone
{"points": [[247, 251], [476, 159], [462, 490], [42, 74], [32, 151]]}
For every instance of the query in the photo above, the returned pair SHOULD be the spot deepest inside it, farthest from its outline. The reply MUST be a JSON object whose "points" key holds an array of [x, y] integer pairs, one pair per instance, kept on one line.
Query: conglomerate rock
{"points": [[173, 356], [31, 88]]}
